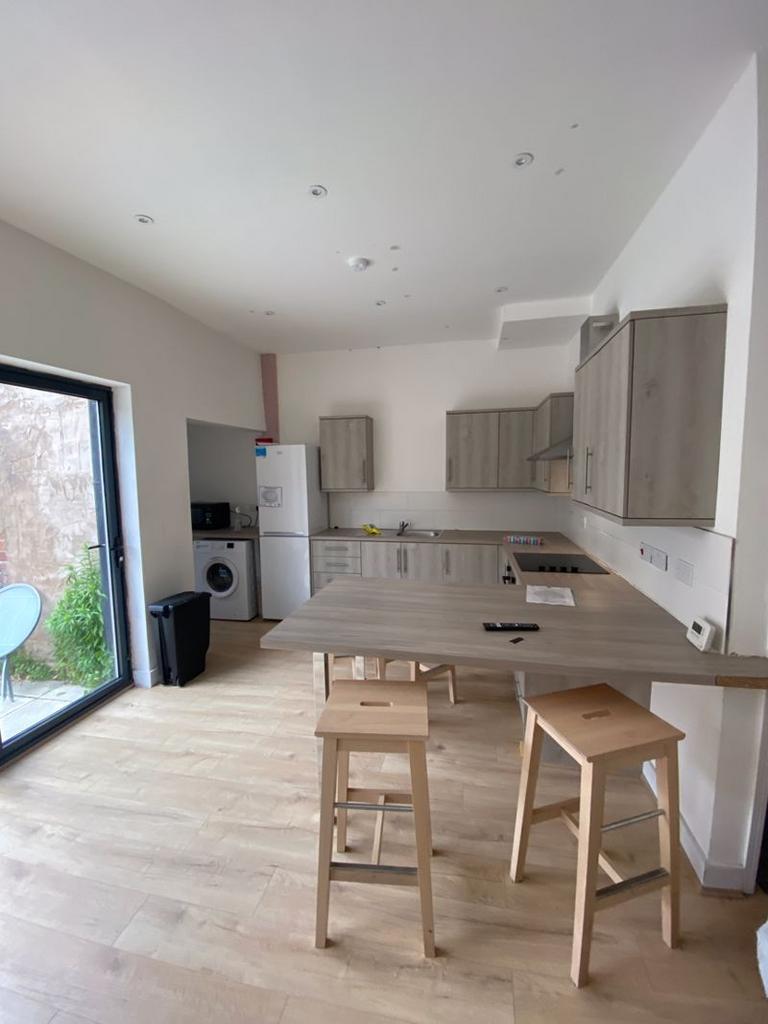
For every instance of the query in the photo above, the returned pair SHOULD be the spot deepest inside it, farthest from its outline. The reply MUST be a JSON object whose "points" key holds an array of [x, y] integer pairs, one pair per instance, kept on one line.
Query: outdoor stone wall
{"points": [[47, 504]]}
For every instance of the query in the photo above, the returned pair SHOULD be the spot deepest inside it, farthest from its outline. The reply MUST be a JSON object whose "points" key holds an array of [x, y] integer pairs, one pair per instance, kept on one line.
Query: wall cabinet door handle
{"points": [[587, 466], [365, 475], [447, 563], [399, 561], [450, 471], [405, 561]]}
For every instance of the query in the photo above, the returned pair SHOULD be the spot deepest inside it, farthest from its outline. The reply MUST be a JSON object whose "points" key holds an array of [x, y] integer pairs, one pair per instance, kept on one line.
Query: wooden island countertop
{"points": [[614, 631]]}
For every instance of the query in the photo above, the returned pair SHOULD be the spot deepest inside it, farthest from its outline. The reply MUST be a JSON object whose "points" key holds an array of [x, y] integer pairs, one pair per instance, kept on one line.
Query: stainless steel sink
{"points": [[422, 533]]}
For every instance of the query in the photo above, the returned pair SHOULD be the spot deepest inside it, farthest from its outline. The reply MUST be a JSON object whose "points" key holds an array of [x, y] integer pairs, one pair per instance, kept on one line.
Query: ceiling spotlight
{"points": [[318, 191], [143, 218], [523, 159], [358, 263], [500, 289], [394, 269], [269, 312], [406, 296], [560, 170], [394, 248], [381, 302], [574, 125]]}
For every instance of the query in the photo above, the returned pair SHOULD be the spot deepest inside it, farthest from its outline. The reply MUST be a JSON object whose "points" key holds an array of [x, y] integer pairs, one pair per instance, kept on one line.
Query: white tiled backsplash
{"points": [[706, 558], [523, 511]]}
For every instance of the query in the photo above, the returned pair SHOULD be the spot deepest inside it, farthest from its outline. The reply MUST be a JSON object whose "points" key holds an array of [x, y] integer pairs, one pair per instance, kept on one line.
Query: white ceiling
{"points": [[215, 117]]}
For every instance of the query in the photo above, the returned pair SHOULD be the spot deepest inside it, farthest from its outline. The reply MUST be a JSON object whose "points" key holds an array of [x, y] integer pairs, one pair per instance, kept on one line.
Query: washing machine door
{"points": [[221, 577]]}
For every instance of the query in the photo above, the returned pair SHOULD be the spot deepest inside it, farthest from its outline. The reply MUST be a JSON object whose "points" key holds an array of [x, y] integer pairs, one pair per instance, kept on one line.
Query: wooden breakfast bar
{"points": [[613, 633]]}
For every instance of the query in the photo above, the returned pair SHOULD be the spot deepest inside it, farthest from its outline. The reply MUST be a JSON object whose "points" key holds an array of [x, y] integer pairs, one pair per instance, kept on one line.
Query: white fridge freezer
{"points": [[291, 508]]}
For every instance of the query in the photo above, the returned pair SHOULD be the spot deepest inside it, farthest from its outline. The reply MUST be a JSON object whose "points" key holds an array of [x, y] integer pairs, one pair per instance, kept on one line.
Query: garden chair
{"points": [[20, 608]]}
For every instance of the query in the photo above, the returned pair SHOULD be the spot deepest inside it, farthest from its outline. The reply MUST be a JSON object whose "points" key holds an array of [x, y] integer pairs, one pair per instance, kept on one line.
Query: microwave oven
{"points": [[210, 515]]}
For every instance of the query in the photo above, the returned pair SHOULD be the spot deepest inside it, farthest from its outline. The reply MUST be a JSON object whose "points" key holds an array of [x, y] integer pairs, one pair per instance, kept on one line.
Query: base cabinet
{"points": [[430, 563], [381, 560], [470, 563]]}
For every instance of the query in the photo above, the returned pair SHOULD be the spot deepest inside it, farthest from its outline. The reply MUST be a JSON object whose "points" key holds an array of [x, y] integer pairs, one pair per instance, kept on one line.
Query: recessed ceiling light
{"points": [[575, 125], [560, 170], [406, 296], [143, 218], [394, 269], [501, 288], [269, 312], [523, 159], [358, 263], [394, 248], [318, 191], [381, 302]]}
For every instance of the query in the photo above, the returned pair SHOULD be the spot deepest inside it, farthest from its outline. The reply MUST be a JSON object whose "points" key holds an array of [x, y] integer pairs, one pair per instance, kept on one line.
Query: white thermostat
{"points": [[701, 634]]}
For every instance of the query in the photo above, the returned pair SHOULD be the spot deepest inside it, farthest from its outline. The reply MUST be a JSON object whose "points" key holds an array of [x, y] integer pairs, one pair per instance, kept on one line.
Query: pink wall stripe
{"points": [[269, 389]]}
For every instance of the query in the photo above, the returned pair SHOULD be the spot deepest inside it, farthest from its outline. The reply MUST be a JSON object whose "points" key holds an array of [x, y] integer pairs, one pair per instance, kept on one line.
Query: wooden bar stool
{"points": [[602, 729], [375, 717], [423, 673]]}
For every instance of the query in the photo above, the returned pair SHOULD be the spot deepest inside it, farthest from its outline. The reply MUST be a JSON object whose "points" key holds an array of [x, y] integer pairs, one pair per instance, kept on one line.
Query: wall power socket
{"points": [[658, 558]]}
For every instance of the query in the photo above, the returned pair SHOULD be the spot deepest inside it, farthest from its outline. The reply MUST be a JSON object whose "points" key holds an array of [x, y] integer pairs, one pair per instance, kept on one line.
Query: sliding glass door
{"points": [[63, 635]]}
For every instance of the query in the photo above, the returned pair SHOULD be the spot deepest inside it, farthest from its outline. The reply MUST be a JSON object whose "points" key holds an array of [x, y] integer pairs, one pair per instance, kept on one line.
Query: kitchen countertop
{"points": [[246, 533], [613, 633], [554, 543]]}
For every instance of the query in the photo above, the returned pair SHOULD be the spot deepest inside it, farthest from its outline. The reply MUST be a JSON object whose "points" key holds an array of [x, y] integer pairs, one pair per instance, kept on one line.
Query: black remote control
{"points": [[511, 627]]}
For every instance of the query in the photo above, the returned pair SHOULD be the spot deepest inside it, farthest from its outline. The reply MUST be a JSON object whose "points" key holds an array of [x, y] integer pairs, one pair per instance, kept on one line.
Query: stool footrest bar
{"points": [[628, 888], [355, 805], [377, 874], [633, 820]]}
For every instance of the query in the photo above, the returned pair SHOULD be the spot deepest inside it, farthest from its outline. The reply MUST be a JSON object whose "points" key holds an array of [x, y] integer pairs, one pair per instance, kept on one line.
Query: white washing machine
{"points": [[227, 570]]}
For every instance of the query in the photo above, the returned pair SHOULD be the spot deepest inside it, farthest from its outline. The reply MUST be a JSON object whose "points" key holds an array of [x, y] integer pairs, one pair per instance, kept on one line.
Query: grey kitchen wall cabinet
{"points": [[515, 447], [552, 425], [472, 451], [647, 418], [346, 453]]}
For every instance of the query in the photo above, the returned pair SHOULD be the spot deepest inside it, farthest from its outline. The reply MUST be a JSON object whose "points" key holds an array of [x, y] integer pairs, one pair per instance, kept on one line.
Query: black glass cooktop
{"points": [[534, 561]]}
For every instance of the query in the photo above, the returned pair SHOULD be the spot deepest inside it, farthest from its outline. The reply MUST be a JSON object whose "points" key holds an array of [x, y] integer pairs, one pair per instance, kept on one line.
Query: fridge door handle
{"points": [[281, 533]]}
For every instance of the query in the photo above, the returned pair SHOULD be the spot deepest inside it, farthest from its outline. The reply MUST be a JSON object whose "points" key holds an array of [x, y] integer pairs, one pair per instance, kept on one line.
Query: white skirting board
{"points": [[711, 876]]}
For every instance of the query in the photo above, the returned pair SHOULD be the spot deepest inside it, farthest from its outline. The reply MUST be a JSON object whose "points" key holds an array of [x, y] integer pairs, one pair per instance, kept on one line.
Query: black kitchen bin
{"points": [[184, 631]]}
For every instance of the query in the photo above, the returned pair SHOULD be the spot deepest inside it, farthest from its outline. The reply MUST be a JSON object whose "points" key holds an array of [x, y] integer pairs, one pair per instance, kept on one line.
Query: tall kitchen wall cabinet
{"points": [[346, 453], [647, 418]]}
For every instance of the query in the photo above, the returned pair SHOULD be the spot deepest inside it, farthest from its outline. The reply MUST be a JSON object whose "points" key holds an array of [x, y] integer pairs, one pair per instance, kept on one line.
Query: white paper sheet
{"points": [[549, 595]]}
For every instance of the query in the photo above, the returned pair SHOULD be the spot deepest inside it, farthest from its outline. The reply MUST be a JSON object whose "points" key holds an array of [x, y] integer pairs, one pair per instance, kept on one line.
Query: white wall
{"points": [[62, 314], [222, 466], [407, 390], [696, 245]]}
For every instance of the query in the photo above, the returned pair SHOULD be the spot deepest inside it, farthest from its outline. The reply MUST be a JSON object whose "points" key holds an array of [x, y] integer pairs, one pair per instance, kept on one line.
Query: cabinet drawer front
{"points": [[332, 548], [336, 564]]}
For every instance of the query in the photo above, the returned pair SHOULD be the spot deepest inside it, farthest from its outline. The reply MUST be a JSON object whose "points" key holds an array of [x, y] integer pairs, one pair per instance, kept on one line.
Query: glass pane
{"points": [[54, 557]]}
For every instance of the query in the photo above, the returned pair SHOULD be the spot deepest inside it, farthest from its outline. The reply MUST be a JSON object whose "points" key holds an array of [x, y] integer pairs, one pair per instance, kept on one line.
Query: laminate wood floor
{"points": [[157, 866]]}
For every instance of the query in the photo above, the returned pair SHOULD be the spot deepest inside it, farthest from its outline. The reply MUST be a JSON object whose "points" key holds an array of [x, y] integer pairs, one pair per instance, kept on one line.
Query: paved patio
{"points": [[34, 702]]}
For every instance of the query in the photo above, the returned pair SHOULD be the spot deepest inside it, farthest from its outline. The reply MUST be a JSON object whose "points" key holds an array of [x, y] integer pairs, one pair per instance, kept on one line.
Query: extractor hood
{"points": [[561, 450]]}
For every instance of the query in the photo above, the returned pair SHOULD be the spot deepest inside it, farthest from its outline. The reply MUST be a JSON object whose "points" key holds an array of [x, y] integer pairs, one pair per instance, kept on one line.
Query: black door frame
{"points": [[111, 546]]}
